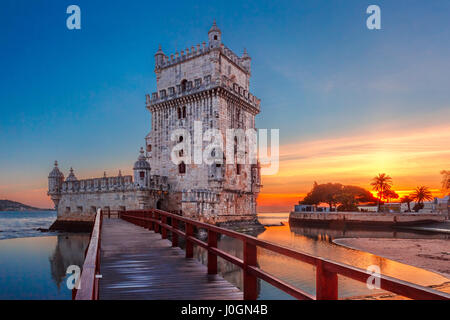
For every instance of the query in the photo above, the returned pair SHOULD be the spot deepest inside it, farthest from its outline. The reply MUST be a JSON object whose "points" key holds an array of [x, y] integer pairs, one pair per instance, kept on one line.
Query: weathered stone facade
{"points": [[208, 85]]}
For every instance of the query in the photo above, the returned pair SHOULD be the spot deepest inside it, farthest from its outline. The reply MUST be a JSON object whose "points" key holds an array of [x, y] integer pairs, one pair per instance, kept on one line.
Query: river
{"points": [[33, 264]]}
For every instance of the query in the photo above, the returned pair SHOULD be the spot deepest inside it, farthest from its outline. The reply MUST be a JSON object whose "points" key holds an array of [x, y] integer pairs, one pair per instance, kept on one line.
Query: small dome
{"points": [[55, 172], [71, 176], [214, 28], [142, 163]]}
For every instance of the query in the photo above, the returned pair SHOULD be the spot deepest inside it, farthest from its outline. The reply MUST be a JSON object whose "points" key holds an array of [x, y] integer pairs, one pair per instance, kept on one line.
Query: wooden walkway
{"points": [[138, 264]]}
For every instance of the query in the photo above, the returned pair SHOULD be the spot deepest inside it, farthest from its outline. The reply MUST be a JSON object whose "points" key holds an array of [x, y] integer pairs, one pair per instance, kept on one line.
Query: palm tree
{"points": [[380, 184], [420, 195], [408, 200]]}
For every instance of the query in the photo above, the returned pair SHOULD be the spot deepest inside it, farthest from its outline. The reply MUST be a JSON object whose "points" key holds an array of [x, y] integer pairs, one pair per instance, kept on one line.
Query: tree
{"points": [[420, 195], [390, 194], [407, 200], [313, 197], [445, 180], [350, 196], [323, 193], [380, 184], [334, 194]]}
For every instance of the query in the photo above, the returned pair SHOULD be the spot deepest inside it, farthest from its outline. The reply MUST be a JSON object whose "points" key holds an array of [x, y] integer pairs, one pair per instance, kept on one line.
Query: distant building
{"points": [[310, 208], [437, 205], [368, 208]]}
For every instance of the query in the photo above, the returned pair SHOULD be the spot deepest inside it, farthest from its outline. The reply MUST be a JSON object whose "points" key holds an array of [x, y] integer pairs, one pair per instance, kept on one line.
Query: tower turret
{"points": [[159, 58], [141, 170], [214, 36], [246, 60], [55, 181]]}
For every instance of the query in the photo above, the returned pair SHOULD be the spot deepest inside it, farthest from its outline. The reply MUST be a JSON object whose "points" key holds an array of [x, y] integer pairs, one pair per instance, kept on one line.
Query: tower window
{"points": [[238, 168], [215, 37], [184, 112], [149, 148], [142, 174], [182, 168], [183, 85], [179, 112]]}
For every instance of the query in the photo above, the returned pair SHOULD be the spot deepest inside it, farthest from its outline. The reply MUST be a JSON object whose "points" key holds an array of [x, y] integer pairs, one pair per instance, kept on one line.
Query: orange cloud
{"points": [[411, 157]]}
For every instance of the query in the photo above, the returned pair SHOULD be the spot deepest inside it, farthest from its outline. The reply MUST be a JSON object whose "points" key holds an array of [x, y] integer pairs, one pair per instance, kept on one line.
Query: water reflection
{"points": [[34, 268], [69, 250], [318, 242]]}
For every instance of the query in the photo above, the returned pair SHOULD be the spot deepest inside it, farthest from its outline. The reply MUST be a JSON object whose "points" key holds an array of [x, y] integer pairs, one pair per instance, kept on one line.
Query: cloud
{"points": [[411, 156]]}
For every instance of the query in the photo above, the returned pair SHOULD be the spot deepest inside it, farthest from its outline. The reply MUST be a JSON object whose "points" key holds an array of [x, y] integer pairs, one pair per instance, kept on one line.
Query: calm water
{"points": [[33, 264], [318, 242], [18, 224]]}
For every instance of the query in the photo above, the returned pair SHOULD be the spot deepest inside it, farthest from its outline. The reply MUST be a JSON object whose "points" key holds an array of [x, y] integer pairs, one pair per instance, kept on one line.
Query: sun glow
{"points": [[411, 158]]}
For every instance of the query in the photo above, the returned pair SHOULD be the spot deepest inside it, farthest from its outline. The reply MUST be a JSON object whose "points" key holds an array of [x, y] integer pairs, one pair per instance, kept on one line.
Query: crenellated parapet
{"points": [[225, 83], [163, 61], [118, 183]]}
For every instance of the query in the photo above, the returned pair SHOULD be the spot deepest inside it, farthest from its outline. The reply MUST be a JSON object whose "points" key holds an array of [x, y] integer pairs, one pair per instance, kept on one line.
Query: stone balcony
{"points": [[224, 83]]}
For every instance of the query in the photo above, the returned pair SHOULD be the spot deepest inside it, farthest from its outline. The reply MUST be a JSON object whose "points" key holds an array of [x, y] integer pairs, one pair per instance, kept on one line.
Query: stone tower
{"points": [[209, 85]]}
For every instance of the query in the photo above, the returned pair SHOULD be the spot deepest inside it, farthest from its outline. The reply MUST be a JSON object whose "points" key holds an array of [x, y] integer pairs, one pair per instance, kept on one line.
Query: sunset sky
{"points": [[349, 102]]}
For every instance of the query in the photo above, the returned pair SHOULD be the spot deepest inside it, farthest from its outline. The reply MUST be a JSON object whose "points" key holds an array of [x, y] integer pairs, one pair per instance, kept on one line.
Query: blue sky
{"points": [[78, 96]]}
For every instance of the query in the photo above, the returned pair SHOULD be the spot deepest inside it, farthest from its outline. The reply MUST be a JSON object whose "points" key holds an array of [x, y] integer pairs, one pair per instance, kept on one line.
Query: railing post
{"points": [[150, 223], [156, 223], [163, 229], [250, 281], [212, 258], [174, 235], [189, 244], [326, 283]]}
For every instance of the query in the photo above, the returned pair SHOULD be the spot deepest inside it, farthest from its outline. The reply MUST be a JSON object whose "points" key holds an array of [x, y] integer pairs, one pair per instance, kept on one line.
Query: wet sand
{"points": [[428, 254]]}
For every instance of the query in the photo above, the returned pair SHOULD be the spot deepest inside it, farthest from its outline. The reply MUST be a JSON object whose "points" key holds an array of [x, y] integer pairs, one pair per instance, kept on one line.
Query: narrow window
{"points": [[142, 174], [183, 85], [238, 168], [184, 112], [182, 168]]}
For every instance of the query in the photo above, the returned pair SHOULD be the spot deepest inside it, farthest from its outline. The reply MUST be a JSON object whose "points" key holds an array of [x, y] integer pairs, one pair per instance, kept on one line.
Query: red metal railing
{"points": [[88, 282], [326, 270]]}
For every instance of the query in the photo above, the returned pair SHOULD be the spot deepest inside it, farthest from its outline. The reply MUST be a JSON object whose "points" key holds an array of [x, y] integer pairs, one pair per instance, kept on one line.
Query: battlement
{"points": [[199, 50], [190, 89], [118, 183]]}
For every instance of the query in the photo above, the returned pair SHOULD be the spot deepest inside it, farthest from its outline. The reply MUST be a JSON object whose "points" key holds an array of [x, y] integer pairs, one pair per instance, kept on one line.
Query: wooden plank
{"points": [[137, 264]]}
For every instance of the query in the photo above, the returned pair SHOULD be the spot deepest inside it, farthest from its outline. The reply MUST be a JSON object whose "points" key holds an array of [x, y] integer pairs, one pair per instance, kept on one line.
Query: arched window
{"points": [[215, 37], [182, 168], [180, 139], [235, 145], [179, 112], [149, 148], [238, 168], [184, 112]]}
